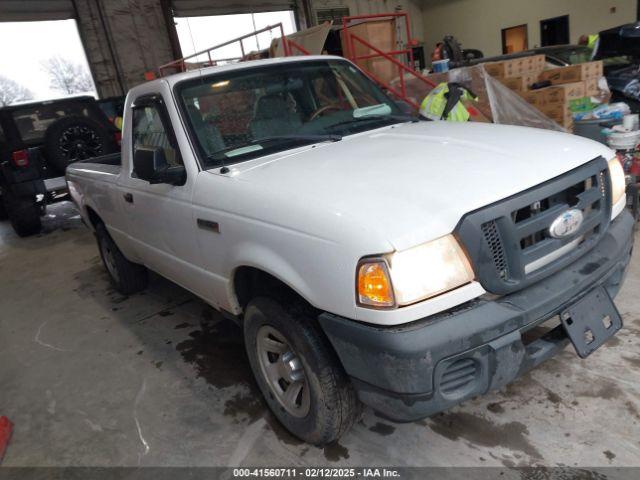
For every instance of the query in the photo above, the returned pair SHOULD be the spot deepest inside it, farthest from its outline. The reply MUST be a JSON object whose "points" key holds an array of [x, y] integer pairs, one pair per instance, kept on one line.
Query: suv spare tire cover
{"points": [[76, 138]]}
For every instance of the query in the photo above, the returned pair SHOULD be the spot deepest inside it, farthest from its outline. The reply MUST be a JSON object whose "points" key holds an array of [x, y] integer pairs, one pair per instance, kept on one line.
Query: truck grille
{"points": [[509, 242], [494, 241]]}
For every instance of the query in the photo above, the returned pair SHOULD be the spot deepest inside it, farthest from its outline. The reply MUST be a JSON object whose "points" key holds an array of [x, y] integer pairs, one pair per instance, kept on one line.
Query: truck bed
{"points": [[105, 168], [110, 159]]}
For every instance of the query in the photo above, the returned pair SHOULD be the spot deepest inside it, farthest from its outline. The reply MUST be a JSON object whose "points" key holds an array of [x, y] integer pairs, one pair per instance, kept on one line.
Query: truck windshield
{"points": [[257, 111]]}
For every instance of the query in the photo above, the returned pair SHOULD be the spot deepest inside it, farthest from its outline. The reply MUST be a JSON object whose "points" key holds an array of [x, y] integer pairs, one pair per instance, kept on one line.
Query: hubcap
{"points": [[109, 260], [283, 371]]}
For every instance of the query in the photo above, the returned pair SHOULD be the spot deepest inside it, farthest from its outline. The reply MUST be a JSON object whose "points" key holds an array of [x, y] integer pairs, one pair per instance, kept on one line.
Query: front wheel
{"points": [[298, 373]]}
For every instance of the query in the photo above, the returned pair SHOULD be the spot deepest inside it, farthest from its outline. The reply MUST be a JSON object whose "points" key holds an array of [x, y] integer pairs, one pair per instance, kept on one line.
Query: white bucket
{"points": [[623, 140]]}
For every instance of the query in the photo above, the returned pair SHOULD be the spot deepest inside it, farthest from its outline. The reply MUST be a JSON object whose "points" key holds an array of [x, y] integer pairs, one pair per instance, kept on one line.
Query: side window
{"points": [[149, 131]]}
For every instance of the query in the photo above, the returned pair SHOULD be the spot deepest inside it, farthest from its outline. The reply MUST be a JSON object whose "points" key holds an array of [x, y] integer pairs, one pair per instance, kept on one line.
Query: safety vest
{"points": [[444, 103]]}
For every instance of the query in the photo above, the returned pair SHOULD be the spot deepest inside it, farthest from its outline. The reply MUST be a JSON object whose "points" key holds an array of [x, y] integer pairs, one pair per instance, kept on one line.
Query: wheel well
{"points": [[250, 282], [94, 218]]}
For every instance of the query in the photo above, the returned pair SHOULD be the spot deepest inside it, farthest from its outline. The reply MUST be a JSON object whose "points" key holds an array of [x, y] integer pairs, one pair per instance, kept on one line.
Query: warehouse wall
{"points": [[123, 40], [366, 7], [478, 23]]}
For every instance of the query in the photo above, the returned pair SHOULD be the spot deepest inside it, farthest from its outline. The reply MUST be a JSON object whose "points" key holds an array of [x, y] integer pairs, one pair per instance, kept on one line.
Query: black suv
{"points": [[37, 142]]}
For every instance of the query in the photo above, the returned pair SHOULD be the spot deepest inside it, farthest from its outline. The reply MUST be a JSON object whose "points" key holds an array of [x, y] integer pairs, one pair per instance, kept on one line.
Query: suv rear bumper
{"points": [[416, 370]]}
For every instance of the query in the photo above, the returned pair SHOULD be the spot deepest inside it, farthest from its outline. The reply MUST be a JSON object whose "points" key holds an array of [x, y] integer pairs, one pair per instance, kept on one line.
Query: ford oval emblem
{"points": [[567, 223]]}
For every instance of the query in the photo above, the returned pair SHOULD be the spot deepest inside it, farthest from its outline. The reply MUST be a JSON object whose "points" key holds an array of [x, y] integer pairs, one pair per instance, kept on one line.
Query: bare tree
{"points": [[12, 92], [66, 76]]}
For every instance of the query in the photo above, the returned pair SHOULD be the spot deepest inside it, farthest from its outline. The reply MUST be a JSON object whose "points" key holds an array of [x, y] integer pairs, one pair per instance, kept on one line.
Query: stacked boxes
{"points": [[516, 67], [519, 73], [573, 73], [567, 84]]}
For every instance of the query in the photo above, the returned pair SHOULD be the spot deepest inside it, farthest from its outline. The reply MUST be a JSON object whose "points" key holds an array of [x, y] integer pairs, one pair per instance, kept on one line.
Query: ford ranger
{"points": [[372, 257]]}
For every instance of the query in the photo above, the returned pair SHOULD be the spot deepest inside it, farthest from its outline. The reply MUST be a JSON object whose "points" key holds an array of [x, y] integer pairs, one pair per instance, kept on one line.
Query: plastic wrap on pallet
{"points": [[509, 108], [495, 101]]}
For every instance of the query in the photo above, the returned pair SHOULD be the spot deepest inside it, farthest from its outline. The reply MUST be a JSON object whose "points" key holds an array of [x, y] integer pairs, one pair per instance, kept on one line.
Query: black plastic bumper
{"points": [[416, 370]]}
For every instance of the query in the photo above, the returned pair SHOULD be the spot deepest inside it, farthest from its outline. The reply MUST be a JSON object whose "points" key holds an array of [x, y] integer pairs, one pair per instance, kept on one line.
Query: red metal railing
{"points": [[351, 39], [180, 65]]}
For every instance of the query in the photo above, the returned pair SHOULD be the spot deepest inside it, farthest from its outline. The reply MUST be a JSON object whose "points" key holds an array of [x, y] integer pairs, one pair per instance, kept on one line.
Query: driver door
{"points": [[159, 216]]}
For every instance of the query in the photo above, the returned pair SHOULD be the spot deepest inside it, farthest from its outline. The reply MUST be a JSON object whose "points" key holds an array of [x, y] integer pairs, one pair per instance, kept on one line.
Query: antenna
{"points": [[193, 44]]}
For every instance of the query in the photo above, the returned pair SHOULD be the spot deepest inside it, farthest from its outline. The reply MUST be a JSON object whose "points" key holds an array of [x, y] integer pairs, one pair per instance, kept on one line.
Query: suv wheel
{"points": [[75, 138], [3, 210], [23, 212], [298, 372], [126, 276]]}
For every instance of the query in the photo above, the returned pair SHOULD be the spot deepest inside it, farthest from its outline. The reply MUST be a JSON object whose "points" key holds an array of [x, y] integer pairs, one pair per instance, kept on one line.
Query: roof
{"points": [[178, 77], [68, 99]]}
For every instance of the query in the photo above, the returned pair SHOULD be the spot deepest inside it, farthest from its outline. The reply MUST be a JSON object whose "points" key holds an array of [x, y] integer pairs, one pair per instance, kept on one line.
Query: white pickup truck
{"points": [[371, 256]]}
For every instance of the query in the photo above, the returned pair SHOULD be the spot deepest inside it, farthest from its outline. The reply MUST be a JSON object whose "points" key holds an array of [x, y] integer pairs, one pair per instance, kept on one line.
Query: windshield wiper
{"points": [[397, 118], [220, 154]]}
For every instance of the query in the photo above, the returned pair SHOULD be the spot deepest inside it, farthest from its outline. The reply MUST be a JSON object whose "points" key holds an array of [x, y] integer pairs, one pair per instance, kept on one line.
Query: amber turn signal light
{"points": [[374, 285]]}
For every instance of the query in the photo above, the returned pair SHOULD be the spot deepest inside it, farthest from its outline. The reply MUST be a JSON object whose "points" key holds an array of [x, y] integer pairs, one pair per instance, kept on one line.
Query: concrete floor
{"points": [[90, 377]]}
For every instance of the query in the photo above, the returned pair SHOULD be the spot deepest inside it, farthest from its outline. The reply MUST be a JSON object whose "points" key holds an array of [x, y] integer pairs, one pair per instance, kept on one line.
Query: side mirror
{"points": [[150, 164]]}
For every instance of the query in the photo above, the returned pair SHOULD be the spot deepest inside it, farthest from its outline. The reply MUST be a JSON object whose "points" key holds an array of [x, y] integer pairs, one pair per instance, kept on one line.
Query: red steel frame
{"points": [[287, 44], [350, 40], [350, 43]]}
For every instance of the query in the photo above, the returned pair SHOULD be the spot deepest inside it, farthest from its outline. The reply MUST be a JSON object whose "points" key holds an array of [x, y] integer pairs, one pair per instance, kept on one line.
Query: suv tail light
{"points": [[20, 158]]}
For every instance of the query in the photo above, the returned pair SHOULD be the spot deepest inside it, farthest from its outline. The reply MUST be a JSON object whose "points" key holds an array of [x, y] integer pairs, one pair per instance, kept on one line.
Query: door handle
{"points": [[208, 225], [128, 197]]}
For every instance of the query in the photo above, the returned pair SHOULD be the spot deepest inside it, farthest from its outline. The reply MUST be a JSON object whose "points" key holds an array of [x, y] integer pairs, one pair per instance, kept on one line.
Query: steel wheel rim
{"points": [[283, 371], [109, 260]]}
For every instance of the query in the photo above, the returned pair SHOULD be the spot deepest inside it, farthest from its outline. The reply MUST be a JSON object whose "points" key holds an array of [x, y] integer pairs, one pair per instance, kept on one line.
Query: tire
{"points": [[24, 213], [75, 138], [3, 210], [127, 277], [329, 407]]}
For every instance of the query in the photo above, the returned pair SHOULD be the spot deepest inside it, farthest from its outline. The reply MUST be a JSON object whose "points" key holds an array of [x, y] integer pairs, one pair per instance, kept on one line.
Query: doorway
{"points": [[199, 33], [36, 70], [554, 31], [515, 39]]}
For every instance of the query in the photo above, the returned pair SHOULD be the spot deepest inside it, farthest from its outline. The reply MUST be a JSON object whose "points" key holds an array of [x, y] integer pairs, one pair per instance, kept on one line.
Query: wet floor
{"points": [[92, 377]]}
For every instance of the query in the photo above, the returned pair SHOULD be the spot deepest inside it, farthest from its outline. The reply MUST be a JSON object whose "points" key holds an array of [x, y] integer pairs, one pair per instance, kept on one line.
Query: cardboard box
{"points": [[591, 88], [520, 84], [534, 64], [573, 73], [562, 94], [558, 113], [475, 115], [534, 97], [381, 34], [516, 67]]}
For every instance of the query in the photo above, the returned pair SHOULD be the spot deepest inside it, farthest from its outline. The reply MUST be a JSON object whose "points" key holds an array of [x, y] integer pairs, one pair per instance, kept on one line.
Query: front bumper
{"points": [[416, 370]]}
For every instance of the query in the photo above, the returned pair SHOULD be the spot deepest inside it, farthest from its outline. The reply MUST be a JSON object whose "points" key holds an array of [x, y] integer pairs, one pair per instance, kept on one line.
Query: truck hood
{"points": [[413, 182]]}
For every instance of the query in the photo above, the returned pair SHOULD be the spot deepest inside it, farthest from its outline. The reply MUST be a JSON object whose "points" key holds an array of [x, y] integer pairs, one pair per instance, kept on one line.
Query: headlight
{"points": [[618, 184], [406, 277]]}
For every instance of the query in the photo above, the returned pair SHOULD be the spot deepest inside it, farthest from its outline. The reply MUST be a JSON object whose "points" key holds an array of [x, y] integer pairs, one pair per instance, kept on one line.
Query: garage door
{"points": [[33, 10], [197, 8]]}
